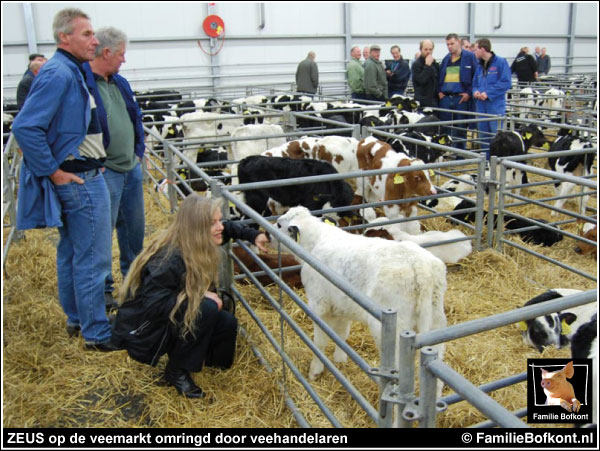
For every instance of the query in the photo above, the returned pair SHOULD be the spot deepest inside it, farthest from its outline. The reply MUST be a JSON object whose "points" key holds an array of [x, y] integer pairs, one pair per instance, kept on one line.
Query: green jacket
{"points": [[375, 82], [356, 75]]}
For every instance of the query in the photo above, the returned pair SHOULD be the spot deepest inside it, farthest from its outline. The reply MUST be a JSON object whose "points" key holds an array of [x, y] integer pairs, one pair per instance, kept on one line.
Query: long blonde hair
{"points": [[190, 235]]}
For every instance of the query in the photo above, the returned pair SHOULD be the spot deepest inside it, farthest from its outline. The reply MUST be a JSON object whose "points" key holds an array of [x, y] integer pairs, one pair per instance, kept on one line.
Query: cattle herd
{"points": [[406, 264]]}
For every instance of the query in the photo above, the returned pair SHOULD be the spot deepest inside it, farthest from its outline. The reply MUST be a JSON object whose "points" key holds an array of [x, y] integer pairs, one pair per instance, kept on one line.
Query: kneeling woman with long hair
{"points": [[167, 305]]}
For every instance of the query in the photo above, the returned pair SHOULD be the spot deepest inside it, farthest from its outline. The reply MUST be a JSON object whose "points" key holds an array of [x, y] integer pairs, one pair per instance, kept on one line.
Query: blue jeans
{"points": [[488, 129], [127, 215], [83, 254], [457, 131]]}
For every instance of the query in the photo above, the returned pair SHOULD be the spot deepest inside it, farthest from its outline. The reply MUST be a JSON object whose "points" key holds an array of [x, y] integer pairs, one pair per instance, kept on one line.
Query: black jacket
{"points": [[525, 67], [399, 78], [425, 82], [142, 325]]}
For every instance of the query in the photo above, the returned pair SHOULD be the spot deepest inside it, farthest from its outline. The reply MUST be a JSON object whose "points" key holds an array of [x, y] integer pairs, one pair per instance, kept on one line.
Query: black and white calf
{"points": [[422, 151], [512, 143], [556, 329], [312, 196], [574, 165]]}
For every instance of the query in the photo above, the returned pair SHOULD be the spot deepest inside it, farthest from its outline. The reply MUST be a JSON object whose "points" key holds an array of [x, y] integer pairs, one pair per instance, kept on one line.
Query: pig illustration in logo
{"points": [[559, 392]]}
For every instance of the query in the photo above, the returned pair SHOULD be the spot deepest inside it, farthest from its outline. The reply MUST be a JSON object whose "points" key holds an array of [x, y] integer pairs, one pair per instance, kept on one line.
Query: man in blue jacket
{"points": [[456, 76], [123, 138], [61, 183], [492, 80]]}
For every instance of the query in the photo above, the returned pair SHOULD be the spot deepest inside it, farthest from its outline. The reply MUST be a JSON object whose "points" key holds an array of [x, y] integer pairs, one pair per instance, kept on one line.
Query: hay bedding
{"points": [[51, 381]]}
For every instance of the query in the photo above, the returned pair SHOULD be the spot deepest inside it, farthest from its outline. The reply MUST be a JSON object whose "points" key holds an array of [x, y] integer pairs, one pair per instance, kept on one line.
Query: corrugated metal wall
{"points": [[164, 48]]}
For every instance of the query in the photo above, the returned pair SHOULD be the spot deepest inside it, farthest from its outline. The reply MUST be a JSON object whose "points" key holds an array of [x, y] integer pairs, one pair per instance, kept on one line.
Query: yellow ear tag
{"points": [[546, 146], [246, 112], [522, 325], [201, 149], [431, 173], [231, 204], [443, 141], [388, 103], [527, 135], [398, 179], [566, 329], [329, 222], [171, 131], [183, 177]]}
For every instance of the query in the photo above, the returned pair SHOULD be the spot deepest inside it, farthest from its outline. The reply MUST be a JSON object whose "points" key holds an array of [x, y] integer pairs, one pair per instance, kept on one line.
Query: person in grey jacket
{"points": [[307, 75], [375, 80], [544, 63]]}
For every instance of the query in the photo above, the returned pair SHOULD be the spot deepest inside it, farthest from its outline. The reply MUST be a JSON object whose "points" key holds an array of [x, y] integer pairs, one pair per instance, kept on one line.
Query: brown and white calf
{"points": [[373, 154]]}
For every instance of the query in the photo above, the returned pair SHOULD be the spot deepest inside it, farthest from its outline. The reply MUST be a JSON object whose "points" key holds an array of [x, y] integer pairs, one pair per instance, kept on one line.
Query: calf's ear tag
{"points": [[546, 146], [398, 179], [329, 222], [528, 135], [522, 325], [566, 328], [431, 173], [443, 141], [231, 204], [388, 103]]}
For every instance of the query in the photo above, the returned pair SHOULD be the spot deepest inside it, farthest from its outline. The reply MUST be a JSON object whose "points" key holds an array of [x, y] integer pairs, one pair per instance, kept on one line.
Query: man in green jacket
{"points": [[375, 81], [356, 74]]}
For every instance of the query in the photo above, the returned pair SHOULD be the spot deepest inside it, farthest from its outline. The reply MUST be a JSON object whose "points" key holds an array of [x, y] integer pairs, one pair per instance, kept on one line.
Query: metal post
{"points": [[210, 10], [492, 201], [500, 220], [226, 278], [471, 21], [30, 28], [571, 38], [388, 360], [480, 205], [170, 177], [428, 386], [347, 33], [406, 373]]}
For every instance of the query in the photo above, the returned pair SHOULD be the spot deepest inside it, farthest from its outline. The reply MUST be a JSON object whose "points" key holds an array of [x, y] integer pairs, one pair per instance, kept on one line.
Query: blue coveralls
{"points": [[494, 79]]}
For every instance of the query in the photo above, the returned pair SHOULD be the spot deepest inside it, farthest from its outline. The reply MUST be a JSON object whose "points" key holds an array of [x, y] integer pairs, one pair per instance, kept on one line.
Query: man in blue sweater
{"points": [[457, 70], [492, 81], [123, 138]]}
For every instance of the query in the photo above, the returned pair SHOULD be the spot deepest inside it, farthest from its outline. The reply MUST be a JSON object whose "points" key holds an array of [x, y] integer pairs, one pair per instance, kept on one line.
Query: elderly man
{"points": [[375, 81], [123, 139], [425, 75], [356, 74], [307, 75], [61, 182], [397, 72], [36, 61], [365, 53], [492, 81], [457, 70]]}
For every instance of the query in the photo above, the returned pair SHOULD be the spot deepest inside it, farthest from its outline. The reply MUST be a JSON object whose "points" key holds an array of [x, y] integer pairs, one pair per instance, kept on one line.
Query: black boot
{"points": [[183, 382]]}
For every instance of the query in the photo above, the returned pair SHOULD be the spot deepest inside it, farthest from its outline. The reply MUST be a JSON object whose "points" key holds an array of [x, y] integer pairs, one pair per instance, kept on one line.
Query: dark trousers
{"points": [[213, 345]]}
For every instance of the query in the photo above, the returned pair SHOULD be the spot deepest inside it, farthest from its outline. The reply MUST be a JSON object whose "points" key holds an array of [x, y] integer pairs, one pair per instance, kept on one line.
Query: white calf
{"points": [[398, 275], [243, 149]]}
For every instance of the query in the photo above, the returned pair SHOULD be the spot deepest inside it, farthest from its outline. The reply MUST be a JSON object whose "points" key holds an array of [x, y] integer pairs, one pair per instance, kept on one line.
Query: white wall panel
{"points": [[522, 18], [586, 19], [409, 18]]}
